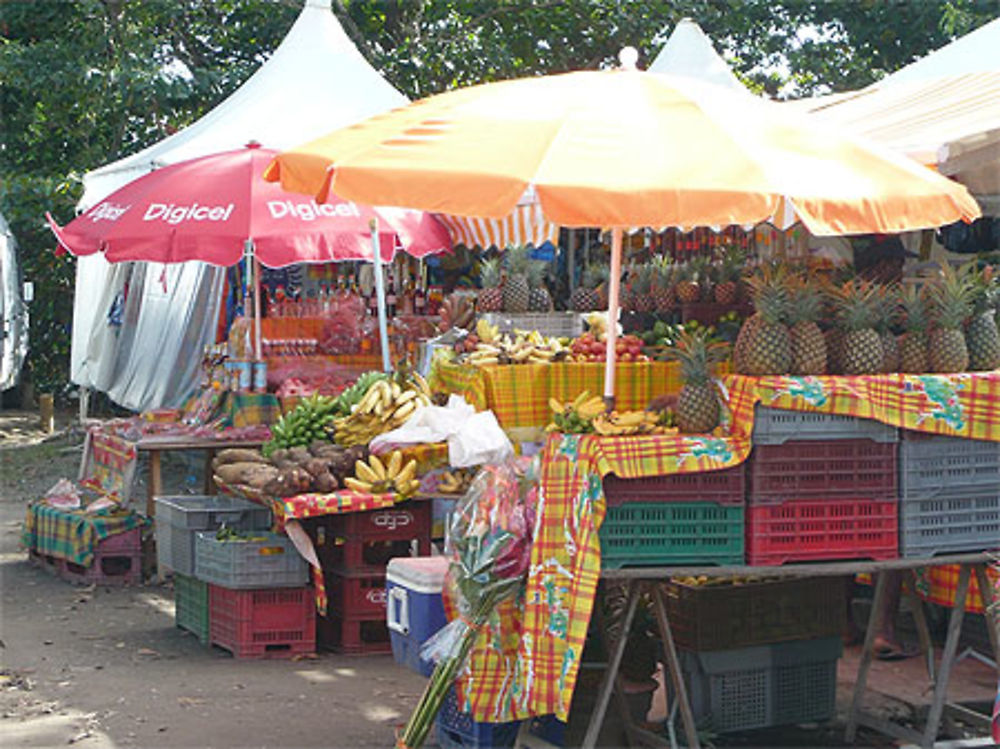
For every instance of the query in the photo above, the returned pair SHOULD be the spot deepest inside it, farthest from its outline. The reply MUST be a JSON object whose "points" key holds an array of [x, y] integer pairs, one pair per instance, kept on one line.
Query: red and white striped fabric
{"points": [[524, 225]]}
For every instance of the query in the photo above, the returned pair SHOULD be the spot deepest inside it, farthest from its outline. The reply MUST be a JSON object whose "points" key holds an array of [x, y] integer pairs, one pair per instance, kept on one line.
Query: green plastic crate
{"points": [[191, 602], [657, 533]]}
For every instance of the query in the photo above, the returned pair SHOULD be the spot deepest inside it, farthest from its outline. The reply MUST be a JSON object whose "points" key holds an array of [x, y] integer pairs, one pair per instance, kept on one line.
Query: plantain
{"points": [[408, 471], [377, 466], [364, 472], [394, 465], [357, 485]]}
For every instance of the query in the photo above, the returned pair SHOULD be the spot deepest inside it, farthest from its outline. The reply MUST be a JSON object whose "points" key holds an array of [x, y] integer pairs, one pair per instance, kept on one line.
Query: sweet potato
{"points": [[238, 455]]}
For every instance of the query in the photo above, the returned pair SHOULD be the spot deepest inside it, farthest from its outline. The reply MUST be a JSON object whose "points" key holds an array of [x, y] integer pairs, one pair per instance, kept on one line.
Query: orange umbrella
{"points": [[621, 148]]}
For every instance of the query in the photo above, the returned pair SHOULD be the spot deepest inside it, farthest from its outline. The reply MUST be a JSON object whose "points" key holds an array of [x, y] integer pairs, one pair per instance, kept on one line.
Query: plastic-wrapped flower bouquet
{"points": [[489, 548]]}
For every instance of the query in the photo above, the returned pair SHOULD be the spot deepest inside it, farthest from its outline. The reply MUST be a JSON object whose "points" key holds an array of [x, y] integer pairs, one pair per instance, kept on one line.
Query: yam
{"points": [[238, 455], [325, 483], [238, 473], [299, 454], [261, 476], [279, 456], [316, 467]]}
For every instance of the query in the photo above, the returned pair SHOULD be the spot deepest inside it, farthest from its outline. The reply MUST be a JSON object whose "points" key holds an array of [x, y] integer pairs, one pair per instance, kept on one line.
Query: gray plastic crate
{"points": [[775, 426], [179, 518], [555, 324], [272, 563], [937, 525], [762, 686], [938, 466]]}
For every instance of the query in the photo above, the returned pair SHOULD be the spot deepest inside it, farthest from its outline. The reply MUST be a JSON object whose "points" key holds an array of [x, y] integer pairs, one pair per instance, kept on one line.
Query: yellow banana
{"points": [[630, 418], [364, 472], [395, 463], [581, 399], [387, 396], [591, 408], [359, 486], [408, 471], [556, 406], [405, 410], [421, 383], [377, 466], [406, 395]]}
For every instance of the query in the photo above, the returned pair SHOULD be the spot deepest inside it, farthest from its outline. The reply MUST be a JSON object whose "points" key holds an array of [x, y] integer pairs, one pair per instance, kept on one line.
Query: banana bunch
{"points": [[487, 333], [629, 422], [697, 581], [377, 477], [455, 482], [577, 416], [386, 405], [521, 348], [350, 397], [306, 423]]}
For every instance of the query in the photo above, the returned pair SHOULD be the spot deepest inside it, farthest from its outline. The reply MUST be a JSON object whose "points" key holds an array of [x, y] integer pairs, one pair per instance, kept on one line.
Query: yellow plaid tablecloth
{"points": [[526, 663], [519, 394], [939, 586], [73, 534], [961, 405]]}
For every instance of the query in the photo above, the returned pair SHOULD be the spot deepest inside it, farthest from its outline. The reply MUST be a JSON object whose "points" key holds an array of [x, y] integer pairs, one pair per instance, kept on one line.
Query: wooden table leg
{"points": [[991, 614], [947, 658], [874, 622], [923, 631], [673, 663], [155, 487], [611, 672]]}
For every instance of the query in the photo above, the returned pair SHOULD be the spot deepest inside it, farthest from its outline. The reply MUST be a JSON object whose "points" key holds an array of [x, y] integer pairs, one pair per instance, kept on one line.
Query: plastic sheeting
{"points": [[13, 311], [315, 81]]}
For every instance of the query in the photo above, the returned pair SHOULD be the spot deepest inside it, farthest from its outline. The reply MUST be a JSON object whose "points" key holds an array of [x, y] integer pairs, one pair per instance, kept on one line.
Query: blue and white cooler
{"points": [[415, 609]]}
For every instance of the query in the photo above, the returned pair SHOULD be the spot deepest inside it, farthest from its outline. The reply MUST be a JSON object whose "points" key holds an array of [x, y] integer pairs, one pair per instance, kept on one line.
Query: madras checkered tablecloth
{"points": [[519, 394], [248, 409], [73, 534], [526, 663], [960, 405], [938, 585]]}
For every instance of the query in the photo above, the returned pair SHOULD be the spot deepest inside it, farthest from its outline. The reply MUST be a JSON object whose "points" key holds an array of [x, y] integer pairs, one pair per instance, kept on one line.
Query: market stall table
{"points": [[639, 579], [157, 444]]}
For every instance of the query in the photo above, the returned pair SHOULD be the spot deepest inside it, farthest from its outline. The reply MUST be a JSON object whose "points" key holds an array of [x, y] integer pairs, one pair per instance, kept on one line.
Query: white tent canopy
{"points": [[689, 52], [943, 110], [315, 81]]}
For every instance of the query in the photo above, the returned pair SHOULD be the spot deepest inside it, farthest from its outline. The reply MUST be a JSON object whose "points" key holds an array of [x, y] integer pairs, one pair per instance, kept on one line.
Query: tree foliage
{"points": [[86, 82]]}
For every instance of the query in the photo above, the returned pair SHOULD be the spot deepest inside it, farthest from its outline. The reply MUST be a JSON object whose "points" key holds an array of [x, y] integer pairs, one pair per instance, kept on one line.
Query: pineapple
{"points": [[981, 335], [834, 338], [516, 292], [687, 287], [539, 299], [887, 312], [913, 346], [586, 298], [664, 297], [698, 405], [490, 298], [729, 270], [642, 289], [764, 346], [951, 301], [857, 310], [808, 343]]}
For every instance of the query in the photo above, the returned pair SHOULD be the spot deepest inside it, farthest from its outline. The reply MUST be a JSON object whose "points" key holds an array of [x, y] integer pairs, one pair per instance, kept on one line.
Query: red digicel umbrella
{"points": [[218, 208], [207, 208]]}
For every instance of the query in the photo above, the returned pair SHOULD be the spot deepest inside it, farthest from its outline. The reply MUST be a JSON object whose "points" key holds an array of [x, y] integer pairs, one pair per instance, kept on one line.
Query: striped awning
{"points": [[524, 225]]}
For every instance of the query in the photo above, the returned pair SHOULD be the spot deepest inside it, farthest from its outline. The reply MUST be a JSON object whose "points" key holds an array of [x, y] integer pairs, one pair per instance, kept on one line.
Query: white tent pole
{"points": [[253, 287], [613, 283], [383, 328]]}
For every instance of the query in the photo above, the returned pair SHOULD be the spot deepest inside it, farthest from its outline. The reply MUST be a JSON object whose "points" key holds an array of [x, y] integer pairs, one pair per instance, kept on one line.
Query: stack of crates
{"points": [[821, 487], [354, 549], [178, 519], [259, 603], [758, 655], [680, 518], [949, 495]]}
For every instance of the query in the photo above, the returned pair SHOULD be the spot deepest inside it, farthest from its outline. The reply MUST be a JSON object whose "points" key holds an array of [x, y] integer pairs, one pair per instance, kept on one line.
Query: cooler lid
{"points": [[420, 574]]}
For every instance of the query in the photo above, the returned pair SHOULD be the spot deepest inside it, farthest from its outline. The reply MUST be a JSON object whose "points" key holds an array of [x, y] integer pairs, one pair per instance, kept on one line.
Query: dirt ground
{"points": [[105, 667]]}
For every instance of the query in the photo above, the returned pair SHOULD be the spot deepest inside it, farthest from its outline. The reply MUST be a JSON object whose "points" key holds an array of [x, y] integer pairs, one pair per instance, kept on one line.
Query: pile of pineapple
{"points": [[513, 283], [948, 325], [662, 285]]}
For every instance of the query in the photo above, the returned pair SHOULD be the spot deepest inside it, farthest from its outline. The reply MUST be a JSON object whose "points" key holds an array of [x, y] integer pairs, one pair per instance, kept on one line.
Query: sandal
{"points": [[890, 651]]}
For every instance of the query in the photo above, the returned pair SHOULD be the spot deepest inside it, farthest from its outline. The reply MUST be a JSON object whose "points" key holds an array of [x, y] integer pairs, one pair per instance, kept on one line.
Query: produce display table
{"points": [[534, 672], [519, 393], [639, 580], [157, 444]]}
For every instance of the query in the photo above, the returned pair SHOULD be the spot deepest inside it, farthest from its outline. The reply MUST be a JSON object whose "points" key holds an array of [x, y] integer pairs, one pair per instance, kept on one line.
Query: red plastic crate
{"points": [[803, 530], [357, 595], [354, 635], [262, 623], [128, 541], [814, 469], [403, 522], [725, 487], [114, 567]]}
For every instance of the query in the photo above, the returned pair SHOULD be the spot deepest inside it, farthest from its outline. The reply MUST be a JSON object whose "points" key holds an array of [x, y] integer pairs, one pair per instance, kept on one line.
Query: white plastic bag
{"points": [[473, 438]]}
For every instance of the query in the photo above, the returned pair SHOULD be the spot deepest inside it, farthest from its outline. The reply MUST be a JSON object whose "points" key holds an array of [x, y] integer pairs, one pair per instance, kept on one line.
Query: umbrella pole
{"points": [[258, 348], [613, 283], [383, 328]]}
